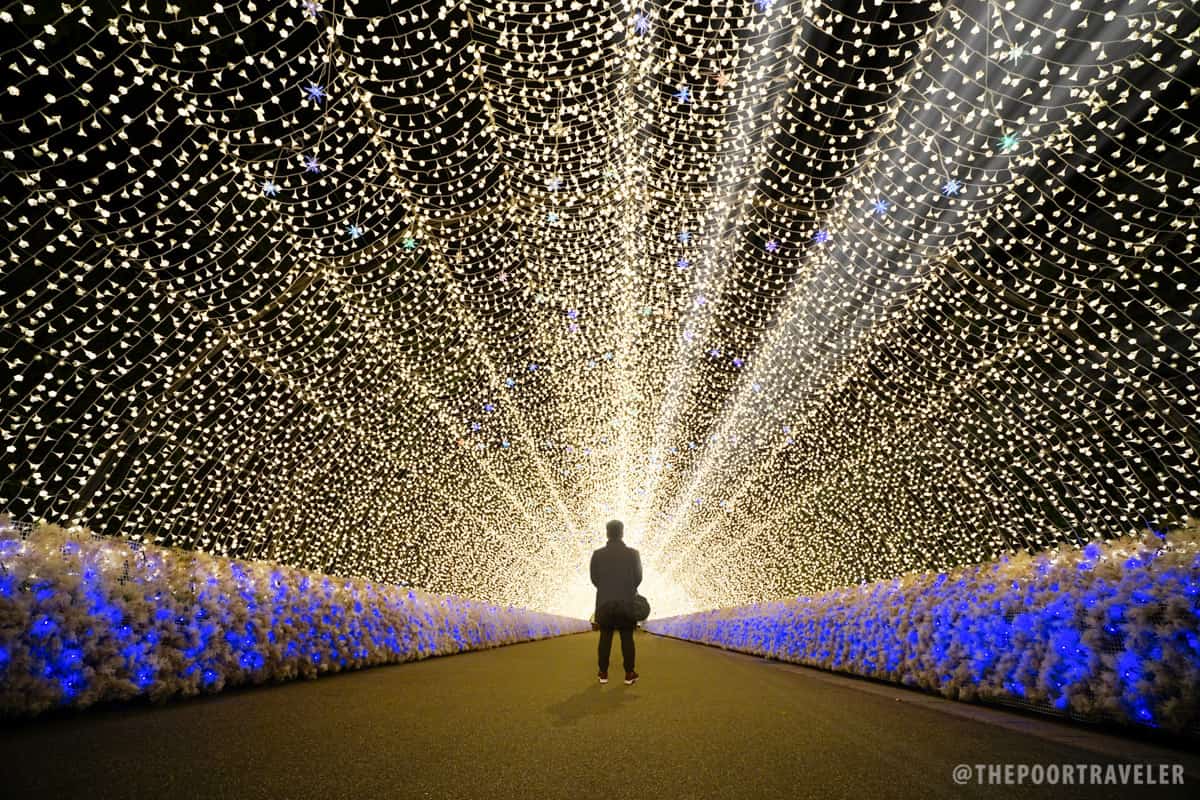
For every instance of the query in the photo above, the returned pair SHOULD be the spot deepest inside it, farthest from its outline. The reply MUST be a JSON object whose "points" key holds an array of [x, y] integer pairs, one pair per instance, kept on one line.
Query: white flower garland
{"points": [[85, 619], [1110, 631]]}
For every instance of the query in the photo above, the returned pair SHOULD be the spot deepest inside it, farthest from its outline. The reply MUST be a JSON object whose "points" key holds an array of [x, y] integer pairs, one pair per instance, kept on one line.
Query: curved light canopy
{"points": [[807, 293]]}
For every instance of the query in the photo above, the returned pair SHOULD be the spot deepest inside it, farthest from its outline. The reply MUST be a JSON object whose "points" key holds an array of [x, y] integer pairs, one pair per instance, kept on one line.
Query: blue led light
{"points": [[44, 627], [144, 677]]}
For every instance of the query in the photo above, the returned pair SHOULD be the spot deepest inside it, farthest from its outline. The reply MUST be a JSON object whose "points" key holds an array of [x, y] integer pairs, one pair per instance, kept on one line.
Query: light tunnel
{"points": [[876, 323]]}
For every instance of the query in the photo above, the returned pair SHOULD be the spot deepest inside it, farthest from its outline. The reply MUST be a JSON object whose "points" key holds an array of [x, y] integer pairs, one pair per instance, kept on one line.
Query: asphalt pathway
{"points": [[530, 721]]}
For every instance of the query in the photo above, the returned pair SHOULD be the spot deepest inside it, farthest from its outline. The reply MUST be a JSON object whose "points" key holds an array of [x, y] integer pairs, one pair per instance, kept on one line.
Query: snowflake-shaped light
{"points": [[270, 188], [772, 246], [315, 93], [311, 164], [684, 95], [1008, 142], [881, 206], [354, 231], [952, 187], [821, 236], [641, 23]]}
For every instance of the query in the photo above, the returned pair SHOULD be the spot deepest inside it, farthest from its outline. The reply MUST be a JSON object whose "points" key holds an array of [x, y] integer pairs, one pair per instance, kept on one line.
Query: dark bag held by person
{"points": [[638, 608]]}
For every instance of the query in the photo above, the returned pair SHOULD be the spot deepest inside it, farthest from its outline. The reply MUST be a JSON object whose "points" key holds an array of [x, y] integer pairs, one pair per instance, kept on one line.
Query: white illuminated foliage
{"points": [[807, 293]]}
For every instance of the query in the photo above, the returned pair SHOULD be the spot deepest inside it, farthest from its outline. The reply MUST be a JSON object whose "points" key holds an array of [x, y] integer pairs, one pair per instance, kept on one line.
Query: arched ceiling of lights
{"points": [[808, 293]]}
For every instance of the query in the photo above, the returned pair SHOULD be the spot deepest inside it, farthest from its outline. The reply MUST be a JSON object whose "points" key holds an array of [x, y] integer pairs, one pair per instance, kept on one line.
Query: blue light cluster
{"points": [[1108, 632], [105, 619]]}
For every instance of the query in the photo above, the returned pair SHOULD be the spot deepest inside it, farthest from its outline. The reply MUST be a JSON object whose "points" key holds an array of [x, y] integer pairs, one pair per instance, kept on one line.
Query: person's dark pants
{"points": [[627, 652], [611, 616]]}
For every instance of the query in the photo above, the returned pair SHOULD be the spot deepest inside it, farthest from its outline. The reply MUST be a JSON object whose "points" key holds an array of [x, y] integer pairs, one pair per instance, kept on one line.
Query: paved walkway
{"points": [[530, 721]]}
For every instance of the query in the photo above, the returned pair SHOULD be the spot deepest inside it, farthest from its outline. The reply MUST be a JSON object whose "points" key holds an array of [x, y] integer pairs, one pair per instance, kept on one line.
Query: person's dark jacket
{"points": [[616, 574]]}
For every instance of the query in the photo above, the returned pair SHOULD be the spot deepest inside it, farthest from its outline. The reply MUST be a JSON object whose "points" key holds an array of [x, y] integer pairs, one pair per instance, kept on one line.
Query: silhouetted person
{"points": [[616, 573]]}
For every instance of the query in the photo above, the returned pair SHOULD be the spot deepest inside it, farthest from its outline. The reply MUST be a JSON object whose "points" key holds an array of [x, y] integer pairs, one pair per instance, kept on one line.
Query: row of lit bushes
{"points": [[85, 619], [1108, 632]]}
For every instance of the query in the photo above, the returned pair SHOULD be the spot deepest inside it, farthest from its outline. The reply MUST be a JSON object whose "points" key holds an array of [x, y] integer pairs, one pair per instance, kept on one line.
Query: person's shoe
{"points": [[630, 678], [604, 676]]}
